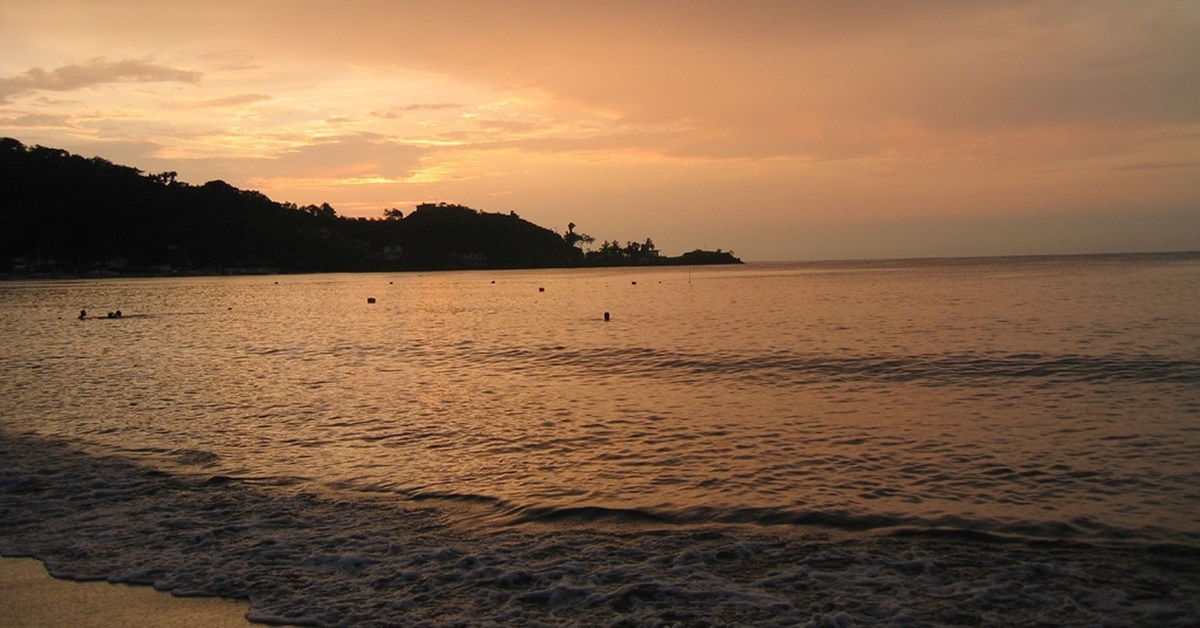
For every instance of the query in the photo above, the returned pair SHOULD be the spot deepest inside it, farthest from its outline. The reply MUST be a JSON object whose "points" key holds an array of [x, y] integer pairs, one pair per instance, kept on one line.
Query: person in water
{"points": [[82, 314]]}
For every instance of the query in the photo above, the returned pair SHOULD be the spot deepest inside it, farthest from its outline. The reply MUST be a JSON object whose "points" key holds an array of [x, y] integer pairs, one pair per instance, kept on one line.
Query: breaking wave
{"points": [[306, 559], [784, 368]]}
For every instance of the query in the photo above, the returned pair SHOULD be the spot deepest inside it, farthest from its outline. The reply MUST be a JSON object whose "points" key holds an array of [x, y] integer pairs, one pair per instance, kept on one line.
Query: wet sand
{"points": [[29, 596]]}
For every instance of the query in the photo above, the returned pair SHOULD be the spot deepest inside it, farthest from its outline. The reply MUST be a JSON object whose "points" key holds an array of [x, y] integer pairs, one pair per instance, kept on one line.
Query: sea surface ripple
{"points": [[985, 442]]}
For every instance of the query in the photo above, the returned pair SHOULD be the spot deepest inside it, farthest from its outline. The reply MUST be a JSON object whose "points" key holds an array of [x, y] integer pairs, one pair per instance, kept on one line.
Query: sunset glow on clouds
{"points": [[781, 130]]}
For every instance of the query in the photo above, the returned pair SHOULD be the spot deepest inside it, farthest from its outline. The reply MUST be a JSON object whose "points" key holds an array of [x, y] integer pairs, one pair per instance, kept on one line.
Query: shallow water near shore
{"points": [[942, 441]]}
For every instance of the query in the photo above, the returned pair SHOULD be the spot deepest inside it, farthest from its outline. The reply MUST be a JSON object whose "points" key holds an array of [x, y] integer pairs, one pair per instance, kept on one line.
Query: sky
{"points": [[780, 130]]}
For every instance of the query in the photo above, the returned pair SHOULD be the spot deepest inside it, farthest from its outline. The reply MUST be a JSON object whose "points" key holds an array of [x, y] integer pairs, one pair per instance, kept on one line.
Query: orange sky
{"points": [[778, 129]]}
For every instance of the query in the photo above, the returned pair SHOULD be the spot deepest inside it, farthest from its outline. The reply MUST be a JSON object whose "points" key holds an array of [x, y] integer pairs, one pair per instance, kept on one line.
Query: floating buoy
{"points": [[370, 299], [541, 289], [606, 317], [633, 283]]}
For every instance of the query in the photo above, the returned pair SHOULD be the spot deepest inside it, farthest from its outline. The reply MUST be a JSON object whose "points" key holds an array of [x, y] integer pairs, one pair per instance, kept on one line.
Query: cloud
{"points": [[510, 126], [232, 101], [359, 154], [141, 154], [96, 72], [399, 111], [830, 80], [800, 110], [614, 143], [1159, 166], [38, 120]]}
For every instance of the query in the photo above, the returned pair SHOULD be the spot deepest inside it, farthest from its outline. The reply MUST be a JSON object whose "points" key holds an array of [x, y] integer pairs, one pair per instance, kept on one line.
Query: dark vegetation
{"points": [[63, 214]]}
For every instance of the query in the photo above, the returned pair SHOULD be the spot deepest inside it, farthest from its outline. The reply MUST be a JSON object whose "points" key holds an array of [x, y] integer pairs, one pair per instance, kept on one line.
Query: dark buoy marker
{"points": [[541, 289], [370, 299], [606, 317]]}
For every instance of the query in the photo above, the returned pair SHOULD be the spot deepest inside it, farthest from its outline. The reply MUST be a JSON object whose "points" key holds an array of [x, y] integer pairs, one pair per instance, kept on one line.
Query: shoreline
{"points": [[30, 596]]}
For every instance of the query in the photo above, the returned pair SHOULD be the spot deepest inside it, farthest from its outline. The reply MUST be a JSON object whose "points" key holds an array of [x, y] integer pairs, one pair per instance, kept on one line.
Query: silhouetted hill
{"points": [[699, 257], [65, 214]]}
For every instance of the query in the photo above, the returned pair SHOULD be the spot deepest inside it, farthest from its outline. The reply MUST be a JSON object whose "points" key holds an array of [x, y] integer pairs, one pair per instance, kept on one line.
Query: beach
{"points": [[29, 596]]}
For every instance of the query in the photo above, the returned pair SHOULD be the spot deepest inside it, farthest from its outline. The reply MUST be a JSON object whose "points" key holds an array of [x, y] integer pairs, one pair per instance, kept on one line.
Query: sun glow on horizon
{"points": [[630, 119]]}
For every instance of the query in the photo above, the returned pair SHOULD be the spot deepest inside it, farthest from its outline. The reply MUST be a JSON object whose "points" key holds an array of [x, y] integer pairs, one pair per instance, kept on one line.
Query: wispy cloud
{"points": [[1158, 166], [510, 126], [96, 72], [343, 156], [400, 110], [38, 120], [232, 101]]}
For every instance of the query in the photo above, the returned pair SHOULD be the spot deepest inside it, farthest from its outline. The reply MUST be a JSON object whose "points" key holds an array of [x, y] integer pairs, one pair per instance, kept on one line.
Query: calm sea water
{"points": [[987, 441]]}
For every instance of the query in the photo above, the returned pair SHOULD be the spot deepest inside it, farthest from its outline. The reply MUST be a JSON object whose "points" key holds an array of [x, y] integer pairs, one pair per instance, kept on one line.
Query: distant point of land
{"points": [[66, 215]]}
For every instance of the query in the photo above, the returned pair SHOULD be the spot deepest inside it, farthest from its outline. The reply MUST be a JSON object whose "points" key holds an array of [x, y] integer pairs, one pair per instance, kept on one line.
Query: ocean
{"points": [[990, 441]]}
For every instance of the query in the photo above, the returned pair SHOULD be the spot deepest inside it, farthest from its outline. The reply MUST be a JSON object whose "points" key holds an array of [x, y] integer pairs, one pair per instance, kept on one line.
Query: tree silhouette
{"points": [[62, 213], [576, 239]]}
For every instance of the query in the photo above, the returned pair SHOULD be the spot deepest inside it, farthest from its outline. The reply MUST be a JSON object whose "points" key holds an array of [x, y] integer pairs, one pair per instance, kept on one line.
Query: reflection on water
{"points": [[1012, 396], [970, 442]]}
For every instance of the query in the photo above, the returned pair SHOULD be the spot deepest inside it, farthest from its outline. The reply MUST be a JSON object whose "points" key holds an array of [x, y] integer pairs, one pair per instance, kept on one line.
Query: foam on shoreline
{"points": [[305, 558]]}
